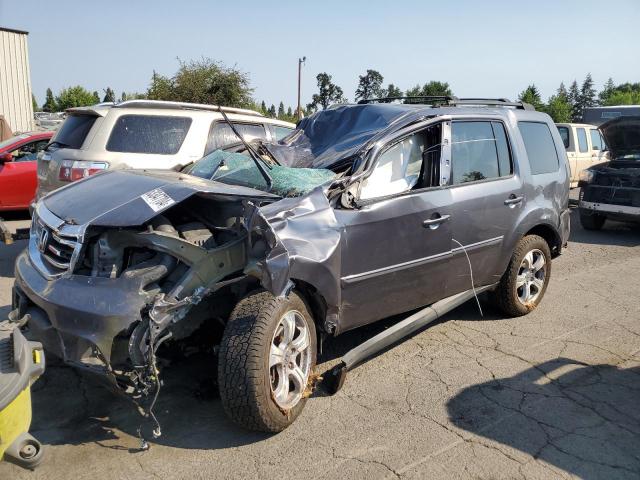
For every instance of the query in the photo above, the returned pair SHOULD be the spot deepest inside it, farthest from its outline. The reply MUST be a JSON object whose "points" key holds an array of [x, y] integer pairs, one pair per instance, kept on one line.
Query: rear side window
{"points": [[540, 147], [564, 135], [148, 134], [74, 130], [221, 135], [479, 151], [596, 139], [583, 146]]}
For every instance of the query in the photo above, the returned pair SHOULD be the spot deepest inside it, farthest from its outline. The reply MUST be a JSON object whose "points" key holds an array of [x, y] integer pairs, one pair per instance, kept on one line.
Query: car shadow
{"points": [[612, 233], [188, 408], [580, 418]]}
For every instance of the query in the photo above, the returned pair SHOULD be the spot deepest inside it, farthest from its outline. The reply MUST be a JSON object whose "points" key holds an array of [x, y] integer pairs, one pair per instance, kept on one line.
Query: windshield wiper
{"points": [[254, 155]]}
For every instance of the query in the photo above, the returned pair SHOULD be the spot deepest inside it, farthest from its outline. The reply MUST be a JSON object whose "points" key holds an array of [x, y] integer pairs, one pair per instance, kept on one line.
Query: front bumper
{"points": [[610, 208], [77, 318]]}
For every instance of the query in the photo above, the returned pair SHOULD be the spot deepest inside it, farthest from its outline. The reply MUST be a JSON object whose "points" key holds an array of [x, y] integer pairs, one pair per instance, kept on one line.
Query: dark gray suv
{"points": [[363, 212]]}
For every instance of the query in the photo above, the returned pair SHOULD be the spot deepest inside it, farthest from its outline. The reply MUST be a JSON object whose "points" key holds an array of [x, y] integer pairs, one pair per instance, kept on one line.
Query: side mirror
{"points": [[6, 157]]}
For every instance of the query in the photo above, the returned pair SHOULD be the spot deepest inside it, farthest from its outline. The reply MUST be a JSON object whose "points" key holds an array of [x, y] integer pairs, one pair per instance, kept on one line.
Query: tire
{"points": [[250, 389], [591, 221], [511, 298]]}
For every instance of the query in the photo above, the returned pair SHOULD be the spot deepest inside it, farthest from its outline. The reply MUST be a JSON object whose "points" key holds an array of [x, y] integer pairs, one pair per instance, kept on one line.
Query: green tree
{"points": [[558, 108], [203, 81], [574, 101], [435, 89], [123, 97], [623, 94], [161, 88], [74, 97], [531, 95], [562, 91], [413, 92], [281, 111], [263, 108], [328, 93], [623, 98], [109, 95], [96, 97], [369, 85], [587, 94], [607, 91], [49, 102], [393, 91], [272, 111], [289, 113], [34, 103]]}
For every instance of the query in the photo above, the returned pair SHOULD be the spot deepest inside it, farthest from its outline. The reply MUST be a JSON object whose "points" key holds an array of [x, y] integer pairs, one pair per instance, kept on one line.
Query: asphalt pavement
{"points": [[554, 394]]}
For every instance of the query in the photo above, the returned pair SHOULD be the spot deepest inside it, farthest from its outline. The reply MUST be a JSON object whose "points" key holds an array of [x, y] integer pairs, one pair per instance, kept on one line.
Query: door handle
{"points": [[435, 222], [513, 200]]}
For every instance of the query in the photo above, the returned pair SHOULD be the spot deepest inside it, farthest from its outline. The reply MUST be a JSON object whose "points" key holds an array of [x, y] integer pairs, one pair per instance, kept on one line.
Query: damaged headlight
{"points": [[586, 176]]}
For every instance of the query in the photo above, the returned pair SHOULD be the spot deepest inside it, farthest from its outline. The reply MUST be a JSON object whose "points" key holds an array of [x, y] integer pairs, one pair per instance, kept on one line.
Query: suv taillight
{"points": [[71, 171]]}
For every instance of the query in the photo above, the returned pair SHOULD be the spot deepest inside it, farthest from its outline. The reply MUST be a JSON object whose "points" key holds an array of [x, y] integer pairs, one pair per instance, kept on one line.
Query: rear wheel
{"points": [[525, 281], [267, 355], [591, 221]]}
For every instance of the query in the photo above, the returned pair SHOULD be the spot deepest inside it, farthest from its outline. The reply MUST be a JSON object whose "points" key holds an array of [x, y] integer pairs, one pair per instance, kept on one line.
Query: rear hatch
{"points": [[71, 136]]}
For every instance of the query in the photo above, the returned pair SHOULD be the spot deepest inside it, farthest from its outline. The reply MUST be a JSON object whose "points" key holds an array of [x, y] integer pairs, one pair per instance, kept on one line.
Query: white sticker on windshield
{"points": [[157, 199]]}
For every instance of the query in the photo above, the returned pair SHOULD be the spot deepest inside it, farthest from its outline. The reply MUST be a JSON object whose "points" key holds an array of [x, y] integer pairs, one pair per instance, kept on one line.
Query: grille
{"points": [[56, 250]]}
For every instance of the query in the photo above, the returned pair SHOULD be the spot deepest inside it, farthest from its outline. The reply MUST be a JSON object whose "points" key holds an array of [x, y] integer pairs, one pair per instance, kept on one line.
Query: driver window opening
{"points": [[410, 164]]}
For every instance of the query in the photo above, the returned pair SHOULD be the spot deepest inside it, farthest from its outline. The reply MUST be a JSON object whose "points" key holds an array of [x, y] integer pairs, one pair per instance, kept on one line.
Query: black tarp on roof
{"points": [[328, 138]]}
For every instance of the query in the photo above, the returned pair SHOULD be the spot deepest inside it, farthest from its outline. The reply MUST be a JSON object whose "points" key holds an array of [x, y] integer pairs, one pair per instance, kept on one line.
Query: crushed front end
{"points": [[104, 299]]}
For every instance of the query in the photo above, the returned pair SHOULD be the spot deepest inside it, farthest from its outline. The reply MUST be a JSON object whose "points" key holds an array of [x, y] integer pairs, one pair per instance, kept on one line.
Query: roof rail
{"points": [[184, 106], [497, 102], [451, 101], [428, 98]]}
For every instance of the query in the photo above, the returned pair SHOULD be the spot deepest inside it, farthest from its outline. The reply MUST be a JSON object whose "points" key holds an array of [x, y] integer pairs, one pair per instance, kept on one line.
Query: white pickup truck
{"points": [[585, 147]]}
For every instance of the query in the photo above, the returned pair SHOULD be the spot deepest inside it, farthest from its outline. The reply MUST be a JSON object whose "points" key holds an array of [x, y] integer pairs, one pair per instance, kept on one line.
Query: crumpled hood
{"points": [[121, 198], [622, 136]]}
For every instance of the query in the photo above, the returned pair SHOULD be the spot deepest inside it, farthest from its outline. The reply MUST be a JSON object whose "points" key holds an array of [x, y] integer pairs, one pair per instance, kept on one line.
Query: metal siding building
{"points": [[15, 80]]}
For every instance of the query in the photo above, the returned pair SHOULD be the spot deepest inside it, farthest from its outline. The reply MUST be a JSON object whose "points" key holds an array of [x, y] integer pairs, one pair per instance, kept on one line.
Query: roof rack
{"points": [[451, 101], [184, 106]]}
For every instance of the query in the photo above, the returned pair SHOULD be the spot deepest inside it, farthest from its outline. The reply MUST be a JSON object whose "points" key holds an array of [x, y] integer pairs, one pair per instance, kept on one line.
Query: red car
{"points": [[18, 169]]}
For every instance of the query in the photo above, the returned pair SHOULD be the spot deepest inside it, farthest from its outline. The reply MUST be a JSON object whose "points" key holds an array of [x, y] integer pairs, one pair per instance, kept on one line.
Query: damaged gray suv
{"points": [[363, 212]]}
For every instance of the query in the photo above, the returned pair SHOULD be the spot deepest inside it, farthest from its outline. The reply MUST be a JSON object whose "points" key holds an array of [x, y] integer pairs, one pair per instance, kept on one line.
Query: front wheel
{"points": [[524, 283], [267, 354]]}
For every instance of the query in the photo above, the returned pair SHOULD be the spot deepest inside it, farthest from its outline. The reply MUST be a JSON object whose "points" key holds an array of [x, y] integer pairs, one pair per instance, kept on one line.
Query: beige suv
{"points": [[585, 147], [144, 134]]}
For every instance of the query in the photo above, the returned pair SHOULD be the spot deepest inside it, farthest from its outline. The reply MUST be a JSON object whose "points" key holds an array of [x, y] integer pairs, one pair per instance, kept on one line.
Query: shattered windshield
{"points": [[240, 169]]}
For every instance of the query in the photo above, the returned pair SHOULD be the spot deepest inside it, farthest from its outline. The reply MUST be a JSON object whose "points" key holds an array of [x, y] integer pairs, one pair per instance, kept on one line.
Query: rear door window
{"points": [[541, 149], [564, 135], [221, 135], [74, 131], [583, 146], [479, 151], [148, 134]]}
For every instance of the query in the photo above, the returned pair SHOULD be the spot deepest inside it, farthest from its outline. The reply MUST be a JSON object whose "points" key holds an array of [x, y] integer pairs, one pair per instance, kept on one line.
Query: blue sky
{"points": [[482, 48]]}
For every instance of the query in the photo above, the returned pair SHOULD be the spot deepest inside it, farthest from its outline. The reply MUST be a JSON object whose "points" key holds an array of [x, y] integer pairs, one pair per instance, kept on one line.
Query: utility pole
{"points": [[300, 62]]}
